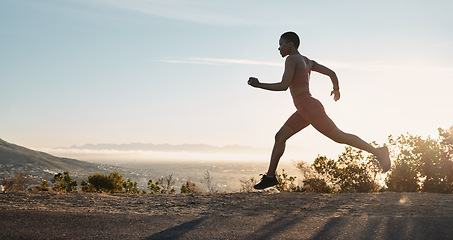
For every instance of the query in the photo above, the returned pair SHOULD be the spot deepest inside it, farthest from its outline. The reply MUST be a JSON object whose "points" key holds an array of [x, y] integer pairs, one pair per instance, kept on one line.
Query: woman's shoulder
{"points": [[309, 61], [298, 60], [306, 59]]}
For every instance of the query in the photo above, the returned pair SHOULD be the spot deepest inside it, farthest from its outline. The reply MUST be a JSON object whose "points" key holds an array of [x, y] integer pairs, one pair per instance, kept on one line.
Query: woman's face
{"points": [[285, 47]]}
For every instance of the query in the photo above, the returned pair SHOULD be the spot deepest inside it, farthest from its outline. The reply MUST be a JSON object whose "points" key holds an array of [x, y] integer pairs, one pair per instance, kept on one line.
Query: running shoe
{"points": [[266, 182]]}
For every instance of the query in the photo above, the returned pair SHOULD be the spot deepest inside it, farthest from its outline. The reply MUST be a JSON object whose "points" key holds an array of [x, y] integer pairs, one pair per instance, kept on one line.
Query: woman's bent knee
{"points": [[279, 137], [283, 134]]}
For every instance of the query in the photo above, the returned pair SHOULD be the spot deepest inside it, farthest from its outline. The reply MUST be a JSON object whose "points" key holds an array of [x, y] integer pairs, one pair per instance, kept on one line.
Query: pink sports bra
{"points": [[301, 78]]}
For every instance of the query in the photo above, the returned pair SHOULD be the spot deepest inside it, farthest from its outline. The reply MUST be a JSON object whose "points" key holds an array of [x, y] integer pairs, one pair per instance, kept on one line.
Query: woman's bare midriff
{"points": [[297, 91]]}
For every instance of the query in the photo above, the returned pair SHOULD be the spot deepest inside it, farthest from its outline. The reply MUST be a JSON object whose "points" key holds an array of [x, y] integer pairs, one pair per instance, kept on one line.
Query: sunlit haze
{"points": [[76, 72]]}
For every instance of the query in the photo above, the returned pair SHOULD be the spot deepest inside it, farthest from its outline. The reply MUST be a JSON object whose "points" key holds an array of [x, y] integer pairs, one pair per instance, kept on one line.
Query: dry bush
{"points": [[15, 183], [247, 185]]}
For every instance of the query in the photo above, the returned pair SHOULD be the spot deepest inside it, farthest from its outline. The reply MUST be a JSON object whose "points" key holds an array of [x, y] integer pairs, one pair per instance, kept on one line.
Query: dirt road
{"points": [[226, 216]]}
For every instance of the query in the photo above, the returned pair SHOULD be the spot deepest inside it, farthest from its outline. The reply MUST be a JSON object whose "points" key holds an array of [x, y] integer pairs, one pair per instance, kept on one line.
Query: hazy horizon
{"points": [[147, 152]]}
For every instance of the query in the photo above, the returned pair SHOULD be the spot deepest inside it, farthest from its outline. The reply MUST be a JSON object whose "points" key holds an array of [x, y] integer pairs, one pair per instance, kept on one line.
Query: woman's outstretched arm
{"points": [[290, 67]]}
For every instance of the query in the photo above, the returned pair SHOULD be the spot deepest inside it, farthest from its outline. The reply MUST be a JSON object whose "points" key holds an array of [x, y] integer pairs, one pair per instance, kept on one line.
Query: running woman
{"points": [[309, 110]]}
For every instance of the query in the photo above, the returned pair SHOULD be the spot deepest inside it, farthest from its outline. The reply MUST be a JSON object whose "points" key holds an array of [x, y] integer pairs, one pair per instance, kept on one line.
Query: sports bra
{"points": [[301, 78]]}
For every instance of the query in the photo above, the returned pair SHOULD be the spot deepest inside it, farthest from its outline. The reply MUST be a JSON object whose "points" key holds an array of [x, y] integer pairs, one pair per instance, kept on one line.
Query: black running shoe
{"points": [[266, 182]]}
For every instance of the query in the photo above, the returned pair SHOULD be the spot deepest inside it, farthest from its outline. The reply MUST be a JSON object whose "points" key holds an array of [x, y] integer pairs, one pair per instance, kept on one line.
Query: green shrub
{"points": [[112, 183], [190, 187], [64, 183]]}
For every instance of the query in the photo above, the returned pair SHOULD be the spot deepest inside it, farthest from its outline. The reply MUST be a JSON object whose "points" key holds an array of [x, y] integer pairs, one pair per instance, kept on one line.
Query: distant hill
{"points": [[21, 156]]}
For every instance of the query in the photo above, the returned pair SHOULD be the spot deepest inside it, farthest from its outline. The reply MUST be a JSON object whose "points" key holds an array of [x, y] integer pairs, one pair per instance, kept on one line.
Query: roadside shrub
{"points": [[247, 185], [130, 187], [155, 187], [112, 183], [208, 180], [64, 183], [15, 183], [351, 172], [317, 185], [43, 187], [286, 183], [422, 164], [167, 183], [190, 187]]}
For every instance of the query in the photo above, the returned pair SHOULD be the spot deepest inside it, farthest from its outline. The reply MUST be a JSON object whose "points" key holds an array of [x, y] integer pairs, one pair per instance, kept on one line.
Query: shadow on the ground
{"points": [[296, 227], [177, 231]]}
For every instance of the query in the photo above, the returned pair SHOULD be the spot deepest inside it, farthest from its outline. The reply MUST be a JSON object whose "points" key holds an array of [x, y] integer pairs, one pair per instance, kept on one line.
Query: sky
{"points": [[77, 72]]}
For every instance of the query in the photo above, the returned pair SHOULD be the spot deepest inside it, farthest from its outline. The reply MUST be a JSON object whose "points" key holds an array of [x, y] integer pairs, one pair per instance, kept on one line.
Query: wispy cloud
{"points": [[222, 61], [333, 64], [199, 11], [382, 66]]}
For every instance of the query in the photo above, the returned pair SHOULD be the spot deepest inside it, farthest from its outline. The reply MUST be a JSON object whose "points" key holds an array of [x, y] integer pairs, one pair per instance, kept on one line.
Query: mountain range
{"points": [[199, 148]]}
